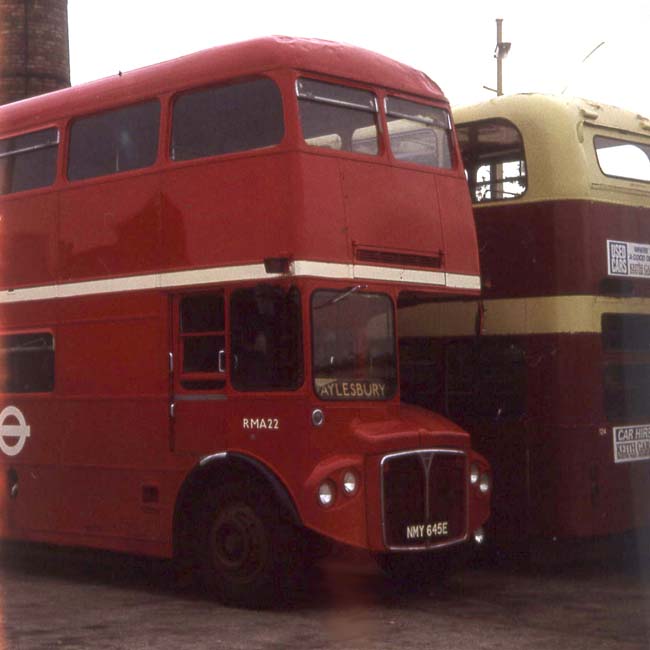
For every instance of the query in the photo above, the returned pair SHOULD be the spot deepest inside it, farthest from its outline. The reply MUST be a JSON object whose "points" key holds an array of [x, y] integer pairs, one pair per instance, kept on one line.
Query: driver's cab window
{"points": [[266, 339]]}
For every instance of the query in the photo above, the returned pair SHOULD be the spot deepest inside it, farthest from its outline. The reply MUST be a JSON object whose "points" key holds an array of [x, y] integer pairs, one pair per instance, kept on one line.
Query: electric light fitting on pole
{"points": [[500, 52]]}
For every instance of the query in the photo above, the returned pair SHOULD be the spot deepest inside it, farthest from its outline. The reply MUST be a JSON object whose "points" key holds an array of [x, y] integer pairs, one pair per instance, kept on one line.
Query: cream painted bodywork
{"points": [[516, 316], [558, 134]]}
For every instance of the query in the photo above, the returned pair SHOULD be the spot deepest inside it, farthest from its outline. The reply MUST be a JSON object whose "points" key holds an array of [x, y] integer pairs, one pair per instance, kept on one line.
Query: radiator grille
{"points": [[424, 499]]}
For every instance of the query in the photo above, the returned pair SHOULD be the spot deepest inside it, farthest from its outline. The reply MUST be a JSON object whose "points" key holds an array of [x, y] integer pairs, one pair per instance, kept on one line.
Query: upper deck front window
{"points": [[493, 153], [338, 117], [419, 133], [353, 345]]}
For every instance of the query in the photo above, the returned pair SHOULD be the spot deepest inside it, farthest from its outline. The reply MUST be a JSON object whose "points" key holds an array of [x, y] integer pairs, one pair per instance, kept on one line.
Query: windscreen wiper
{"points": [[343, 296]]}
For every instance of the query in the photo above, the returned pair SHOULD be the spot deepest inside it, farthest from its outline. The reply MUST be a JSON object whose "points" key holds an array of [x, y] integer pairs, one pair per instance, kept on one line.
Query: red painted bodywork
{"points": [[292, 201], [103, 441]]}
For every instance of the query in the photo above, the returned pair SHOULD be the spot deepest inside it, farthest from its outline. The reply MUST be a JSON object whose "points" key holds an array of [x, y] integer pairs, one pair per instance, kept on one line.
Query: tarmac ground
{"points": [[77, 599]]}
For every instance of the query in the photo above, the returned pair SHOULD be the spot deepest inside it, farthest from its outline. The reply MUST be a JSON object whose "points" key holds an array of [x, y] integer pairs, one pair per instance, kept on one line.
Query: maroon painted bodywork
{"points": [[554, 466], [555, 477], [555, 247]]}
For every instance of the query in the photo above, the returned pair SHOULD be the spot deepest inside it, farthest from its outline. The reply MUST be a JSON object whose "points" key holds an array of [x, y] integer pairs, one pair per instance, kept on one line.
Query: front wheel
{"points": [[248, 552]]}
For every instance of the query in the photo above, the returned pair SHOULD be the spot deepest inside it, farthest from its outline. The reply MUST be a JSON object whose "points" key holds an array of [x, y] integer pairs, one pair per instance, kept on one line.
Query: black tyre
{"points": [[316, 547], [249, 554]]}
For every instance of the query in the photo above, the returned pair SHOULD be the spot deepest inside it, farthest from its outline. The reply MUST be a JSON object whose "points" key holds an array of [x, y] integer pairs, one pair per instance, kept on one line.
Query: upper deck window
{"points": [[227, 119], [493, 153], [338, 117], [115, 141], [622, 158], [28, 161], [419, 133]]}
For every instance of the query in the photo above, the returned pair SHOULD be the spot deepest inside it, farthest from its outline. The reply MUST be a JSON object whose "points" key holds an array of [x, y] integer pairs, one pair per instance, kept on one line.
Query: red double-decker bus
{"points": [[554, 381], [201, 264]]}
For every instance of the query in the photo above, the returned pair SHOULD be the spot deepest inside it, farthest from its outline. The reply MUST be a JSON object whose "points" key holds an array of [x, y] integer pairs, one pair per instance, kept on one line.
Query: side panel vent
{"points": [[392, 258]]}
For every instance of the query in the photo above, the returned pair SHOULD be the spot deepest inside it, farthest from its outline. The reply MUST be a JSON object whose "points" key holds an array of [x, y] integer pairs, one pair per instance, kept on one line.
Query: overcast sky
{"points": [[453, 41]]}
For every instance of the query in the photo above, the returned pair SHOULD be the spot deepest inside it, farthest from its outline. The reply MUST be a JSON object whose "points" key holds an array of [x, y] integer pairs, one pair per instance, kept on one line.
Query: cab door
{"points": [[199, 385]]}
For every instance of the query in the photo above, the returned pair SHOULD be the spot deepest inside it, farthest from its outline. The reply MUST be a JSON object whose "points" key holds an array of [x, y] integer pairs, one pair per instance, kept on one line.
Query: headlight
{"points": [[473, 474], [484, 483], [350, 482], [326, 493]]}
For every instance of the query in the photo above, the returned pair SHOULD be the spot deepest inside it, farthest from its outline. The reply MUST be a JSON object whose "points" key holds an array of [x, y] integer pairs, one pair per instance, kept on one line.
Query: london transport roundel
{"points": [[13, 436]]}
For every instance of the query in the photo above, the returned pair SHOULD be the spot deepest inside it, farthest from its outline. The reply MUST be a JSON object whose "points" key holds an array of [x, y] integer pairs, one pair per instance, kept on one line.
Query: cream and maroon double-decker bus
{"points": [[553, 377]]}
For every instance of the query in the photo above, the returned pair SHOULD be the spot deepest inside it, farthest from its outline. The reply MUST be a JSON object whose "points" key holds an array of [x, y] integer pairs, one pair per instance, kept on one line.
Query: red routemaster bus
{"points": [[554, 382], [201, 262]]}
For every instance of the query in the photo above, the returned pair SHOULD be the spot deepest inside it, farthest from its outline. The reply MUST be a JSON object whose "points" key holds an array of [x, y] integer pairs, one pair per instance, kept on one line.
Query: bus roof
{"points": [[219, 63], [558, 137]]}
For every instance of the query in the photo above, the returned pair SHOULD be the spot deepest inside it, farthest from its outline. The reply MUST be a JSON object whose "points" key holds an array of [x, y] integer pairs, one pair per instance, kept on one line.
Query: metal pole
{"points": [[497, 170], [499, 57]]}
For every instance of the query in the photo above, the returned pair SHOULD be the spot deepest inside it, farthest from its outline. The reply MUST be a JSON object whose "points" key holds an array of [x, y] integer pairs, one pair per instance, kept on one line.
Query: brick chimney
{"points": [[34, 49]]}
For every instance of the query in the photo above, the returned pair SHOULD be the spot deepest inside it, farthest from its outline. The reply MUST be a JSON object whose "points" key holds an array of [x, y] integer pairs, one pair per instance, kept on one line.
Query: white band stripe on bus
{"points": [[298, 268]]}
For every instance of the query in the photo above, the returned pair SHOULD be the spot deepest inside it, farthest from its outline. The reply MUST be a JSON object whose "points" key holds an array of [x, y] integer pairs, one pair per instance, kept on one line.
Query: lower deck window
{"points": [[485, 379], [421, 371], [627, 387], [626, 366], [203, 342], [27, 362]]}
